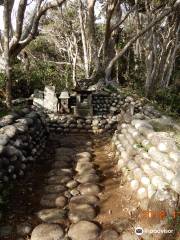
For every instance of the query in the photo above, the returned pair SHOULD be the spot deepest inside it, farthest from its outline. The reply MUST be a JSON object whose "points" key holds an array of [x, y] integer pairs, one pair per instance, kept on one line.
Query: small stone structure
{"points": [[64, 102], [50, 99], [83, 103]]}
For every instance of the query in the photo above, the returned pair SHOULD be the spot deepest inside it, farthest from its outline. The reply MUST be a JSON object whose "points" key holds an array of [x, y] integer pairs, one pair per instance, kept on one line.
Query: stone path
{"points": [[70, 201], [78, 195]]}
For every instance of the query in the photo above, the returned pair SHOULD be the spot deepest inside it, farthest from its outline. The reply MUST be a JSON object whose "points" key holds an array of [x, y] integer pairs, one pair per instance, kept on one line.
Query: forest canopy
{"points": [[132, 43]]}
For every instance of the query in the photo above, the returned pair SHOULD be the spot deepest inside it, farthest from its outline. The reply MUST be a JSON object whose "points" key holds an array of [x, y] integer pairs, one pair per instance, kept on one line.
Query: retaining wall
{"points": [[149, 161], [22, 139]]}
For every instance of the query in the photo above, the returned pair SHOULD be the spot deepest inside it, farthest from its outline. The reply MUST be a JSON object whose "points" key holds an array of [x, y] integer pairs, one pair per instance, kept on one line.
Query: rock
{"points": [[47, 232], [55, 188], [88, 199], [58, 179], [83, 154], [24, 229], [63, 158], [60, 172], [74, 192], [109, 234], [59, 164], [85, 178], [81, 212], [3, 139], [83, 166], [60, 201], [48, 200], [84, 230], [89, 188], [10, 131], [1, 148], [72, 184], [52, 215], [83, 159]]}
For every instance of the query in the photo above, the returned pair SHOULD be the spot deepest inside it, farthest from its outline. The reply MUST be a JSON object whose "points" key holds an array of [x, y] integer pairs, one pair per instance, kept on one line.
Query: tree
{"points": [[14, 41], [164, 13]]}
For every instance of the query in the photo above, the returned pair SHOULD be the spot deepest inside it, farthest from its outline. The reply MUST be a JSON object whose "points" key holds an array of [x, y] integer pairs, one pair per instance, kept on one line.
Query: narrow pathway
{"points": [[74, 192]]}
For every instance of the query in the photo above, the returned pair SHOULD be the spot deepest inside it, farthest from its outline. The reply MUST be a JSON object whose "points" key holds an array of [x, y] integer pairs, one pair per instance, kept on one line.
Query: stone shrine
{"points": [[50, 99]]}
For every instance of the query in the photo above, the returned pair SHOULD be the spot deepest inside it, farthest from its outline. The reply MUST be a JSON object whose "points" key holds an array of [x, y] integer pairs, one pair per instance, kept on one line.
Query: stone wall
{"points": [[71, 124], [149, 161], [22, 139]]}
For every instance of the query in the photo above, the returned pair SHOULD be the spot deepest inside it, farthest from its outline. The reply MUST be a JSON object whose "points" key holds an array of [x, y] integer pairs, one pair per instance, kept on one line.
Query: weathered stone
{"points": [[52, 215], [87, 199], [10, 131], [55, 188], [74, 192], [3, 139], [60, 172], [48, 200], [81, 212], [72, 184], [89, 188], [47, 232], [83, 166], [60, 201], [85, 178], [83, 154], [58, 179], [83, 230]]}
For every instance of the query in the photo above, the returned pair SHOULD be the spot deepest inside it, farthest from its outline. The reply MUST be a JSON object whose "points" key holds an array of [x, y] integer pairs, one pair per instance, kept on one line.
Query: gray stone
{"points": [[87, 199], [52, 215], [55, 188], [83, 154], [83, 230], [10, 131], [89, 188], [58, 179], [83, 166], [81, 212], [85, 178], [47, 232], [60, 172], [72, 184], [3, 139], [48, 200], [74, 192], [60, 201]]}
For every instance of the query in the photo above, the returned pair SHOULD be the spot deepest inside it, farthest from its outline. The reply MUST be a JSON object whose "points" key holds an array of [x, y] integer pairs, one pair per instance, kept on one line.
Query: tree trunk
{"points": [[84, 40], [7, 55], [132, 41]]}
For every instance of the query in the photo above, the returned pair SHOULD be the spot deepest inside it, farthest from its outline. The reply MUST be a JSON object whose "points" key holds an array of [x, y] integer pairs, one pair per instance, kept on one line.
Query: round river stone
{"points": [[84, 230], [47, 232], [81, 212], [85, 178], [88, 199], [52, 215], [55, 188], [89, 188]]}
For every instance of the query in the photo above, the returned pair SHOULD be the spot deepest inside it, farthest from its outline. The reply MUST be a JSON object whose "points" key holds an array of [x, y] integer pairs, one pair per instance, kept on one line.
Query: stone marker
{"points": [[50, 99]]}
